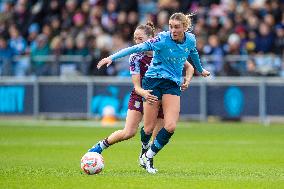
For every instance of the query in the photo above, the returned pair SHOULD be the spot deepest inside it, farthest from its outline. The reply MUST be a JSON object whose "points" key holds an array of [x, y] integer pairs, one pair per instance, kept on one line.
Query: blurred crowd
{"points": [[56, 37]]}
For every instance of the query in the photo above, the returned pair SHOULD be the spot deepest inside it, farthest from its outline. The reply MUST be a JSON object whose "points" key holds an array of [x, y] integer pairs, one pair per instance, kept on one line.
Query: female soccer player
{"points": [[164, 78], [139, 63]]}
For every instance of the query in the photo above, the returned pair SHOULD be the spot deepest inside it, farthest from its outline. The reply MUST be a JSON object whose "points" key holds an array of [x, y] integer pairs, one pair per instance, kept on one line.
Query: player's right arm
{"points": [[195, 58], [146, 94], [124, 52], [134, 61], [150, 45], [189, 71]]}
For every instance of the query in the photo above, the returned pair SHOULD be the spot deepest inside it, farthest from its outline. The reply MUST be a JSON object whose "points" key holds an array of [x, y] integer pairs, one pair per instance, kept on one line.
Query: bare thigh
{"points": [[150, 116], [131, 125], [132, 121], [171, 108]]}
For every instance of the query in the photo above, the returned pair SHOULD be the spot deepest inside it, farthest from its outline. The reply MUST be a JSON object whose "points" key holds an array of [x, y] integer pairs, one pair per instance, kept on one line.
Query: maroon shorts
{"points": [[136, 103]]}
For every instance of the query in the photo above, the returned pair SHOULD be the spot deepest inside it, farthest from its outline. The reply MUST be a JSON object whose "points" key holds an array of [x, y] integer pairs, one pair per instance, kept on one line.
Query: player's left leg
{"points": [[131, 125], [145, 147], [171, 107], [158, 127]]}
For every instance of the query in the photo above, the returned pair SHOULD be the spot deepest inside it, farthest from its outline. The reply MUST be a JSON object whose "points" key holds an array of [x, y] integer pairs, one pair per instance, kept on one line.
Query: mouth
{"points": [[174, 35]]}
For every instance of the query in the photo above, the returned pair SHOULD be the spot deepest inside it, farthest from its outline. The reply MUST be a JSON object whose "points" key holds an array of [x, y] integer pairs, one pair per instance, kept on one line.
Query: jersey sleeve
{"points": [[130, 50], [194, 54], [134, 64], [156, 43]]}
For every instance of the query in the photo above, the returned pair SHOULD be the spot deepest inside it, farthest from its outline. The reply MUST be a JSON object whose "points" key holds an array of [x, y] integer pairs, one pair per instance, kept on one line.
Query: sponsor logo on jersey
{"points": [[137, 104], [154, 40]]}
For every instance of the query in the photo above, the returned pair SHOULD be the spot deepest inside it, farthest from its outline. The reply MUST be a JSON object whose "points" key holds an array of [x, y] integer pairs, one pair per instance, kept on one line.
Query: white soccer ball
{"points": [[92, 163]]}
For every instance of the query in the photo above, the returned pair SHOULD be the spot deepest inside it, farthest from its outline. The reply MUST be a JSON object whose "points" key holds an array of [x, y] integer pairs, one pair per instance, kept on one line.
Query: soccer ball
{"points": [[92, 163]]}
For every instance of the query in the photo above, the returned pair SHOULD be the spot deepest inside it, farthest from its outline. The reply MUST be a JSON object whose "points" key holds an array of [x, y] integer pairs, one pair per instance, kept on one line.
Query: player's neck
{"points": [[181, 40], [149, 53]]}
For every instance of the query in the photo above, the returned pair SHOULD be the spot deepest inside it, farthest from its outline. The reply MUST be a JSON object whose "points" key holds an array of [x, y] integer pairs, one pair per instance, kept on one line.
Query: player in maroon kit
{"points": [[139, 63]]}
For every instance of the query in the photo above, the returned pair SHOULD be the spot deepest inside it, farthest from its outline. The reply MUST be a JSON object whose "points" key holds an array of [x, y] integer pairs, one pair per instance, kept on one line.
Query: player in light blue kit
{"points": [[164, 78]]}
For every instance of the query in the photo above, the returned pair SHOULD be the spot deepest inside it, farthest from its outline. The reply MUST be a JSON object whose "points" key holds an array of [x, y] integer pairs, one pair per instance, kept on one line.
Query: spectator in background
{"points": [[21, 15], [264, 40], [215, 51], [68, 12], [96, 55], [257, 23], [162, 21], [52, 9], [55, 25], [226, 30], [6, 15], [109, 16], [6, 56], [214, 25], [47, 31], [251, 68], [279, 40], [39, 65], [233, 66], [68, 67], [18, 44], [128, 5], [79, 24], [69, 46], [250, 45], [33, 32], [56, 51], [145, 8], [121, 65], [82, 50]]}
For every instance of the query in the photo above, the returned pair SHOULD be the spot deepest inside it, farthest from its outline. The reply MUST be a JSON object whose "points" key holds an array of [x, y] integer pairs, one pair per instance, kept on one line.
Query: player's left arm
{"points": [[196, 60], [189, 71]]}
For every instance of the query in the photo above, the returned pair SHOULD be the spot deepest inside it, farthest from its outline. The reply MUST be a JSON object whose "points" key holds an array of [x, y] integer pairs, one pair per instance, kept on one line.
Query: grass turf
{"points": [[45, 154]]}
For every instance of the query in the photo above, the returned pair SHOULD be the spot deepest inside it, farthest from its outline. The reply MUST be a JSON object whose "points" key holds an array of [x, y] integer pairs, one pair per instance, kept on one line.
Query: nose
{"points": [[173, 30]]}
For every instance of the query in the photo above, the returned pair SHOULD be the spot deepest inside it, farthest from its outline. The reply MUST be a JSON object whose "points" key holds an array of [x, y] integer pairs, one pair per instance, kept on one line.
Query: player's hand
{"points": [[185, 84], [151, 99], [105, 61], [205, 73]]}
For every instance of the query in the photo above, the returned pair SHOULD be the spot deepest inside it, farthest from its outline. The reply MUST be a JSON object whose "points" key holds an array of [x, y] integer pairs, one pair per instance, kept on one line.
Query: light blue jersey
{"points": [[168, 57]]}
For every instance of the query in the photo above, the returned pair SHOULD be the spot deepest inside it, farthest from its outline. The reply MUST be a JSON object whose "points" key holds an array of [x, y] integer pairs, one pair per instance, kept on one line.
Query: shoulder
{"points": [[159, 37], [164, 35], [190, 38], [135, 57]]}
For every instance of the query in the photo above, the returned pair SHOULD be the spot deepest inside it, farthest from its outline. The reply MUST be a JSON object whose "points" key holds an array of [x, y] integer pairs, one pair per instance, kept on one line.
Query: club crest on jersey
{"points": [[154, 40], [137, 104], [186, 49]]}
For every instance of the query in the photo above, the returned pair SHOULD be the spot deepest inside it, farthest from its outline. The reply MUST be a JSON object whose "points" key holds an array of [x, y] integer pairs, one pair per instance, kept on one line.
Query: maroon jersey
{"points": [[139, 63]]}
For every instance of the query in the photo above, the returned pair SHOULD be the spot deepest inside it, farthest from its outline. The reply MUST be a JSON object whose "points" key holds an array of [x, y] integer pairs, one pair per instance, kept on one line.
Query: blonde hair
{"points": [[185, 19], [148, 28]]}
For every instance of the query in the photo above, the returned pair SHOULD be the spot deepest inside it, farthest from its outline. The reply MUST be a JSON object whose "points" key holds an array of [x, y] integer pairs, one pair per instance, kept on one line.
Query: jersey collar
{"points": [[177, 42]]}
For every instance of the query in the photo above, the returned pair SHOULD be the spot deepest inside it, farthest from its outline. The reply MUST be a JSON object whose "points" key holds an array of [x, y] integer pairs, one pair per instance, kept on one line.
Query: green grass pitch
{"points": [[46, 154]]}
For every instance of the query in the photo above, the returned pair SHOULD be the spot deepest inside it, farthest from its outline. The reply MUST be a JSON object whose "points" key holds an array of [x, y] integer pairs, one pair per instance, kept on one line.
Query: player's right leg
{"points": [[171, 107], [150, 120], [132, 122]]}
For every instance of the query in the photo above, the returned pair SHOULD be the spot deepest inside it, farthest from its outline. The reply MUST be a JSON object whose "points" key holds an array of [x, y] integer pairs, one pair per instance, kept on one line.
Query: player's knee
{"points": [[129, 134], [170, 127], [148, 130]]}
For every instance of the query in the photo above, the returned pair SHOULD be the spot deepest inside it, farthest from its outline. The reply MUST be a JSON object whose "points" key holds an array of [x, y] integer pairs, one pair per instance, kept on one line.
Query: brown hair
{"points": [[148, 28], [184, 18]]}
